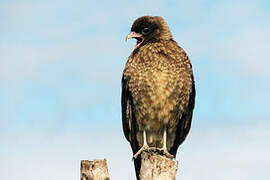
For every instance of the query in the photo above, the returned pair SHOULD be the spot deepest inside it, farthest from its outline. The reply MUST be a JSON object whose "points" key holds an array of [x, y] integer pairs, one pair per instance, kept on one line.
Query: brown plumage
{"points": [[158, 91]]}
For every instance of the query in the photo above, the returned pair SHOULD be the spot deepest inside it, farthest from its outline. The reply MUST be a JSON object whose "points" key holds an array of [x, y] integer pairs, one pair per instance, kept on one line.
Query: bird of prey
{"points": [[158, 91]]}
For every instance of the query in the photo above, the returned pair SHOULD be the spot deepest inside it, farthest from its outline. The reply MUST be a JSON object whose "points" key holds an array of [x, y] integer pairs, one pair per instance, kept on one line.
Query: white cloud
{"points": [[227, 153], [232, 35], [18, 62], [212, 153], [250, 49]]}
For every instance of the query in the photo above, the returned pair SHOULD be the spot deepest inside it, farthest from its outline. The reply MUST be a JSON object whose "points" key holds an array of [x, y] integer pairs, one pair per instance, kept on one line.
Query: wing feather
{"points": [[126, 109], [128, 116], [184, 124]]}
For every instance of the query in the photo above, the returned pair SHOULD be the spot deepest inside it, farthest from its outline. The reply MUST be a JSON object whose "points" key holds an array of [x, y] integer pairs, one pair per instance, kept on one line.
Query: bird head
{"points": [[147, 29]]}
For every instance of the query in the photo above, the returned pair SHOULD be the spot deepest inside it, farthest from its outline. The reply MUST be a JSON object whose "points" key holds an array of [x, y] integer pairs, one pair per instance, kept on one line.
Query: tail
{"points": [[137, 164]]}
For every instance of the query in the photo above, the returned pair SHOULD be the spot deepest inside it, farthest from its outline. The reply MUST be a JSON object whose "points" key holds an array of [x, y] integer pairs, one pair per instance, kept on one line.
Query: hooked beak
{"points": [[133, 35], [137, 36]]}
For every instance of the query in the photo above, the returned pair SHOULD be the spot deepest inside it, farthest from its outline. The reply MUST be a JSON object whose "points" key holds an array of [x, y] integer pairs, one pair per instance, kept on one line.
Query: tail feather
{"points": [[137, 164]]}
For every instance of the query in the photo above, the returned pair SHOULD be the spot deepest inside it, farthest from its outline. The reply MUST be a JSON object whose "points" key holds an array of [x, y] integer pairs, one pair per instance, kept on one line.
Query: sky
{"points": [[61, 64]]}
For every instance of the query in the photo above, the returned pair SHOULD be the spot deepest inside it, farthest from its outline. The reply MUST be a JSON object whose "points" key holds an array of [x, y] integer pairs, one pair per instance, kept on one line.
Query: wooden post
{"points": [[153, 167], [94, 170], [157, 167]]}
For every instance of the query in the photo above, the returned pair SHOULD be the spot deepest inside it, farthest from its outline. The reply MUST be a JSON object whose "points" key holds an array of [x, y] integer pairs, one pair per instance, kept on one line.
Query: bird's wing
{"points": [[128, 116], [184, 124], [126, 102], [129, 121]]}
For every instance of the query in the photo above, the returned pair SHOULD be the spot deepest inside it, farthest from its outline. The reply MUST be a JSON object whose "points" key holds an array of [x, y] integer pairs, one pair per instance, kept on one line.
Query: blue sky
{"points": [[61, 64]]}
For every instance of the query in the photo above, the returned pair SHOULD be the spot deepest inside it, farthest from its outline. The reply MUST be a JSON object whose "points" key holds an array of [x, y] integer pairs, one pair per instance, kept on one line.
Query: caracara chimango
{"points": [[158, 91]]}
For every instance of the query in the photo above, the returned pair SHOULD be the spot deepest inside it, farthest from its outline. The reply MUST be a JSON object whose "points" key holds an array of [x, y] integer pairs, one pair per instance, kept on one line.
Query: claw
{"points": [[166, 153], [162, 151], [144, 148]]}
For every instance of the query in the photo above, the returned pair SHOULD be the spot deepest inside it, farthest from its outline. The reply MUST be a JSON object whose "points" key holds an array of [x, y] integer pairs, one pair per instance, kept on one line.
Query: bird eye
{"points": [[145, 31]]}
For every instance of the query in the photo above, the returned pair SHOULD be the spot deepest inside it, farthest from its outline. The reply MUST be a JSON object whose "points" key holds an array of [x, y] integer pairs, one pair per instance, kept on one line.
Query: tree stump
{"points": [[154, 166], [94, 170], [157, 167]]}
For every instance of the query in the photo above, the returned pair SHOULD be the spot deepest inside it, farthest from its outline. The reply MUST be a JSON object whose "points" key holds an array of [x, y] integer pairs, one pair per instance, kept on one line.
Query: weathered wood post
{"points": [[94, 170], [154, 167], [157, 167]]}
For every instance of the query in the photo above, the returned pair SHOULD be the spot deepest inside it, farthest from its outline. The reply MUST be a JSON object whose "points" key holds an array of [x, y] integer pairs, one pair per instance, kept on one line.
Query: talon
{"points": [[144, 148], [166, 153]]}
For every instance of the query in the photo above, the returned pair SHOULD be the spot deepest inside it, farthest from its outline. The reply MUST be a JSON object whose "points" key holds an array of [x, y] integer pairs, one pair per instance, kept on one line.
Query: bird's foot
{"points": [[144, 148], [165, 152]]}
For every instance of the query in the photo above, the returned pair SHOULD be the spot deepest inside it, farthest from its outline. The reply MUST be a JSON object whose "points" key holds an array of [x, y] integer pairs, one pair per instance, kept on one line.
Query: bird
{"points": [[158, 90]]}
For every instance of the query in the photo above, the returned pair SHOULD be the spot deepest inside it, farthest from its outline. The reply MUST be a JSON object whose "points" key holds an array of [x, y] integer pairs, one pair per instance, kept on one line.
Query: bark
{"points": [[157, 167], [153, 167], [94, 170]]}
